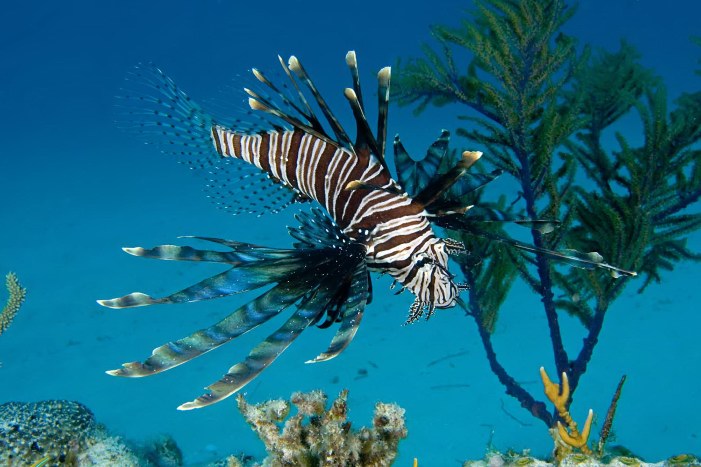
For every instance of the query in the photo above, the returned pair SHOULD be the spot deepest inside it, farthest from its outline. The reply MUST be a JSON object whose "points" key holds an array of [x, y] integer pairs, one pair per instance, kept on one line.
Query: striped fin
{"points": [[325, 274], [383, 79], [256, 267], [441, 183], [307, 112], [154, 107], [413, 175], [267, 351], [352, 62], [364, 137], [352, 314], [239, 322], [316, 230], [263, 104], [296, 67], [231, 282], [578, 259]]}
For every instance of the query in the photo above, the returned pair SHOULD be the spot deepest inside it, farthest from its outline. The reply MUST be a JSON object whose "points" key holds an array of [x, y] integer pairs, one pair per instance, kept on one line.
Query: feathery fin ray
{"points": [[308, 275]]}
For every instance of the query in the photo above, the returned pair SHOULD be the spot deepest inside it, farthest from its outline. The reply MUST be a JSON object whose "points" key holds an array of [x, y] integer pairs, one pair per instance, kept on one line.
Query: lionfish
{"points": [[364, 220]]}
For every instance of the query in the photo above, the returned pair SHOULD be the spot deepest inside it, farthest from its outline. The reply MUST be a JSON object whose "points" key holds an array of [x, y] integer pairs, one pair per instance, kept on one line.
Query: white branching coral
{"points": [[315, 436]]}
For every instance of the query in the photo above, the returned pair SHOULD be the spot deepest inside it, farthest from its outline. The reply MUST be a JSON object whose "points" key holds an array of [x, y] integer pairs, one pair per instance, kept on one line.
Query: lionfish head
{"points": [[432, 283]]}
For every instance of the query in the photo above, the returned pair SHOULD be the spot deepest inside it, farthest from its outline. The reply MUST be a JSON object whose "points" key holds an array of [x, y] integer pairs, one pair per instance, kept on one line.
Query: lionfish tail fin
{"points": [[155, 108]]}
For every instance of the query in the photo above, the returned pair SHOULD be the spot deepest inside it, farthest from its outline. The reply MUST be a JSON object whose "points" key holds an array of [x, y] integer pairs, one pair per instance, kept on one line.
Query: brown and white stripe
{"points": [[393, 227]]}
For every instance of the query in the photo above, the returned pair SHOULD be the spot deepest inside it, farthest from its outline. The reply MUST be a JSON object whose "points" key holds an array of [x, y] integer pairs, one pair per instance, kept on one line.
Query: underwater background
{"points": [[74, 189]]}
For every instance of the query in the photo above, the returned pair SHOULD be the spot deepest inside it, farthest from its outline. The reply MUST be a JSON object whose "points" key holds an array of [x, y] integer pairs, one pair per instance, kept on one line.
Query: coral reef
{"points": [[54, 428], [326, 439], [14, 301], [541, 106], [58, 432], [498, 459]]}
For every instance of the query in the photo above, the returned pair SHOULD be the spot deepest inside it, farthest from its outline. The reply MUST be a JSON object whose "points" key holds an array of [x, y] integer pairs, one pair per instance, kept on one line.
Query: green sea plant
{"points": [[540, 107], [16, 297], [321, 436]]}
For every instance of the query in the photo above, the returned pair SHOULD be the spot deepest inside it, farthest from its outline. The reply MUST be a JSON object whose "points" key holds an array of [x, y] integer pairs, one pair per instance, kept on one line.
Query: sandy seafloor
{"points": [[74, 189]]}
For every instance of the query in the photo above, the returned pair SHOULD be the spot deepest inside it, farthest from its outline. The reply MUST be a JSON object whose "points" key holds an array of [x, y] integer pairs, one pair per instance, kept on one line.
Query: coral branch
{"points": [[14, 301], [559, 396], [326, 438], [608, 422]]}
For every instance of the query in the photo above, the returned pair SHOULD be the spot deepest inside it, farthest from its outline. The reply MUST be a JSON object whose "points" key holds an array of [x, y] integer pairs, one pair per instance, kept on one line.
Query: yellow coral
{"points": [[14, 301], [559, 398]]}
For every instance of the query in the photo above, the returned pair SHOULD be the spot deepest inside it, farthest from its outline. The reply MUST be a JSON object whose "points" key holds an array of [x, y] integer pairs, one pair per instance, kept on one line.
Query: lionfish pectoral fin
{"points": [[352, 315], [233, 281], [252, 267], [258, 360], [578, 259], [456, 220], [179, 253], [267, 351], [132, 300], [239, 322]]}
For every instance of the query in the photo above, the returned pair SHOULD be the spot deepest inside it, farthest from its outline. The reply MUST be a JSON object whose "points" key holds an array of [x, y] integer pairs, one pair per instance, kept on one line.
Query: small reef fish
{"points": [[363, 220]]}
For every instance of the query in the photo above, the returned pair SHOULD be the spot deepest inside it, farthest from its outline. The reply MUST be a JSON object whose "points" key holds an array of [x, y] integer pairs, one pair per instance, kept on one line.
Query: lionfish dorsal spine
{"points": [[383, 79], [296, 67]]}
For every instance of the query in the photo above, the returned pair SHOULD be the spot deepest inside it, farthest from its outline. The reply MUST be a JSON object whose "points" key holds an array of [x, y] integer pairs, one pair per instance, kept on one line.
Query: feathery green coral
{"points": [[14, 301], [539, 109], [326, 439]]}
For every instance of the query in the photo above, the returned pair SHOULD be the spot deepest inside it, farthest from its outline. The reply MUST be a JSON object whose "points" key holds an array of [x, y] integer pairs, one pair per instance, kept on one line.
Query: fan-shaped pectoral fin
{"points": [[242, 320], [261, 356], [352, 315]]}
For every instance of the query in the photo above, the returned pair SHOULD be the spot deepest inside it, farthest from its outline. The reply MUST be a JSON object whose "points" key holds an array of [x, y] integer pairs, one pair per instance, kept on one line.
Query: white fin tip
{"points": [[384, 75], [351, 60], [294, 65]]}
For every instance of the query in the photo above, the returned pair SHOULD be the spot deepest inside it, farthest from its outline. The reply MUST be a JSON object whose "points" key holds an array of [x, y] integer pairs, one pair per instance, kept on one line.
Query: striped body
{"points": [[391, 225]]}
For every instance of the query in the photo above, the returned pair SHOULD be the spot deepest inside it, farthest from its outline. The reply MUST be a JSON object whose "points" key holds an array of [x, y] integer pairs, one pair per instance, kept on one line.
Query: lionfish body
{"points": [[390, 224], [369, 221]]}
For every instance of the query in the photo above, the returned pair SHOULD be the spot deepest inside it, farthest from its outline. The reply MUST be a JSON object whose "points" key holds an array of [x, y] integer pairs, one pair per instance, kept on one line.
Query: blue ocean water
{"points": [[74, 189]]}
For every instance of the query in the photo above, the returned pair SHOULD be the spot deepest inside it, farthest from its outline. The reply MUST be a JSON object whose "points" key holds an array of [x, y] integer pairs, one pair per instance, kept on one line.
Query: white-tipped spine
{"points": [[351, 60], [256, 105], [293, 64], [259, 76], [384, 75]]}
